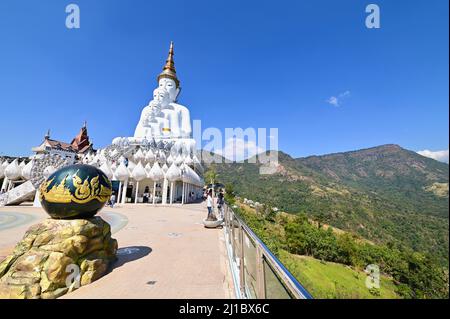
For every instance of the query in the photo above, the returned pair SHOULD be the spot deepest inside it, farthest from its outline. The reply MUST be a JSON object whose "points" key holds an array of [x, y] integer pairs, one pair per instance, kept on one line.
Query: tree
{"points": [[229, 190], [211, 175], [320, 218]]}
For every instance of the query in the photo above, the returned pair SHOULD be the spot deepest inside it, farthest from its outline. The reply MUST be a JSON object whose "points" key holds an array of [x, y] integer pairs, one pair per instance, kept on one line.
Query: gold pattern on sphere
{"points": [[85, 191]]}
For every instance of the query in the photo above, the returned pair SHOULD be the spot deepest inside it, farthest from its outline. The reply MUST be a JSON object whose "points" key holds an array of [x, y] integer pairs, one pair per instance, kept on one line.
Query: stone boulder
{"points": [[57, 256]]}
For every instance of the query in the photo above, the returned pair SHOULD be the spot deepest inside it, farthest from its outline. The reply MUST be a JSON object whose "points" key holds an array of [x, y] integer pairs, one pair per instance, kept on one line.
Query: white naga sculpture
{"points": [[163, 117]]}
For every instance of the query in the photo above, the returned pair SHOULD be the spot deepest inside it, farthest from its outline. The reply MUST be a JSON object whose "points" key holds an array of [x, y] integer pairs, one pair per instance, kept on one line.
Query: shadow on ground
{"points": [[129, 254]]}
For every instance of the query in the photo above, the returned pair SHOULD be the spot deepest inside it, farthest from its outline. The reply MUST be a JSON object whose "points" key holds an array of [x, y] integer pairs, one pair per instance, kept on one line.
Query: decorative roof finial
{"points": [[169, 68], [47, 136]]}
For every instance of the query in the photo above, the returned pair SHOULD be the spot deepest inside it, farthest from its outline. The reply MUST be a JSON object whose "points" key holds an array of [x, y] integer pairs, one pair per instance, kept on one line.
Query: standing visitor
{"points": [[220, 203], [112, 200], [209, 204], [146, 195]]}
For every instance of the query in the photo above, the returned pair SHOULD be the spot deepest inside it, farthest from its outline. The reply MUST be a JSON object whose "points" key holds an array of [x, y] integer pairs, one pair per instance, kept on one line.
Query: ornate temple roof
{"points": [[58, 145], [80, 143]]}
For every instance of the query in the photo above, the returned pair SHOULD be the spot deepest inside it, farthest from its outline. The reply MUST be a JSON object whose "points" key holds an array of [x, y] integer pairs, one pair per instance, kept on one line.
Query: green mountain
{"points": [[385, 194]]}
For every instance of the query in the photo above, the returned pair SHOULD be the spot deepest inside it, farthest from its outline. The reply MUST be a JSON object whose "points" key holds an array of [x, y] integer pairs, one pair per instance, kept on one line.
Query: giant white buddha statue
{"points": [[168, 80], [163, 117]]}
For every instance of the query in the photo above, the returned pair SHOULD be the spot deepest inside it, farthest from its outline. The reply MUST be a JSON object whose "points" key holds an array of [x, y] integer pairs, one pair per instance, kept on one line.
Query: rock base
{"points": [[56, 257]]}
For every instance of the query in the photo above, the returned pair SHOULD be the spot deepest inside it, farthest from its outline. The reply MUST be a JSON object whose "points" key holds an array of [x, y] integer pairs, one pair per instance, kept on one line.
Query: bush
{"points": [[422, 275], [416, 275]]}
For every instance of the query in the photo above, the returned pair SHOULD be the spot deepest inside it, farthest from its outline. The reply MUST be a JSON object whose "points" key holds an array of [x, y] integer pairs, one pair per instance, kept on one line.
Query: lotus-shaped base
{"points": [[212, 223]]}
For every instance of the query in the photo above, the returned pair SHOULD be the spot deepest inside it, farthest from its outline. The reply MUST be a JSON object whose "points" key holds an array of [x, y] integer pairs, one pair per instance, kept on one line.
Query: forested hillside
{"points": [[386, 194]]}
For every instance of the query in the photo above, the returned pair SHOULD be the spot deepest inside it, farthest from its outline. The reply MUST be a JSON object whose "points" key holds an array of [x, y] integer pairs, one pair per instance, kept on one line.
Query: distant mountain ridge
{"points": [[385, 193], [388, 170]]}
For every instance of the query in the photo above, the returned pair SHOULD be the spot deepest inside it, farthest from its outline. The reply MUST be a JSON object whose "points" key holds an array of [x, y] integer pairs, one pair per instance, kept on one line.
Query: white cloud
{"points": [[441, 156], [237, 149], [337, 100], [333, 101], [344, 94]]}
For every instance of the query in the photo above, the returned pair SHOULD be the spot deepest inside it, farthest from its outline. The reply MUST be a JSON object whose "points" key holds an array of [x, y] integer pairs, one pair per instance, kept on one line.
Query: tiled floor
{"points": [[164, 252]]}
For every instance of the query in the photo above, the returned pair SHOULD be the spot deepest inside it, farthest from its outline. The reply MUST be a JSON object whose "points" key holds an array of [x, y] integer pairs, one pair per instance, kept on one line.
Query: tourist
{"points": [[112, 200], [209, 204], [146, 195], [220, 203]]}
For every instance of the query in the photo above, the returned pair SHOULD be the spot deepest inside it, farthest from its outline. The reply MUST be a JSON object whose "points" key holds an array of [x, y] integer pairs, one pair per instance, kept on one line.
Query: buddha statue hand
{"points": [[153, 114], [154, 104]]}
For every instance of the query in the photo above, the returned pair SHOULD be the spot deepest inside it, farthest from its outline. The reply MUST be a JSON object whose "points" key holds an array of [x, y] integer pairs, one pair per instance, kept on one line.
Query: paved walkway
{"points": [[14, 222], [164, 252]]}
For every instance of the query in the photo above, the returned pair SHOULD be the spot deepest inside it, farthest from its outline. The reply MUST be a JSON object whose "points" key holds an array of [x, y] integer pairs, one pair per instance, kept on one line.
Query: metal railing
{"points": [[256, 271]]}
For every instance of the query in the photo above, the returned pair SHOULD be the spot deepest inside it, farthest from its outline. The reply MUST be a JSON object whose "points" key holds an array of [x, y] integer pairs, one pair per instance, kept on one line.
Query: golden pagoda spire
{"points": [[169, 68]]}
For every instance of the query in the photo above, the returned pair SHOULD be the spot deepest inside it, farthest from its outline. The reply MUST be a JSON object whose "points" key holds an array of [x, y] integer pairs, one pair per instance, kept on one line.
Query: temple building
{"points": [[80, 145], [15, 171], [158, 164]]}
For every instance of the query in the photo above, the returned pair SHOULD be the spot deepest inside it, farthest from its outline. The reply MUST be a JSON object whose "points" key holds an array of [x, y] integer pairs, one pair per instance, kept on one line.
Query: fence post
{"points": [[241, 259], [260, 280]]}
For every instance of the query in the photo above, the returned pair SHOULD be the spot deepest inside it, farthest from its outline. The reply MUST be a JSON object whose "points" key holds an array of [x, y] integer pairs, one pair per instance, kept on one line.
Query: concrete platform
{"points": [[164, 252]]}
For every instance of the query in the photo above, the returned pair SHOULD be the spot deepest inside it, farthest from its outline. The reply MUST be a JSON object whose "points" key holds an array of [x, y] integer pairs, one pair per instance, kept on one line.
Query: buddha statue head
{"points": [[161, 98], [170, 86], [167, 79]]}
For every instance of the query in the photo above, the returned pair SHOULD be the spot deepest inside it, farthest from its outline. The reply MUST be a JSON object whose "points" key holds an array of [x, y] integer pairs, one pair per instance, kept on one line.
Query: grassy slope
{"points": [[323, 279], [332, 280]]}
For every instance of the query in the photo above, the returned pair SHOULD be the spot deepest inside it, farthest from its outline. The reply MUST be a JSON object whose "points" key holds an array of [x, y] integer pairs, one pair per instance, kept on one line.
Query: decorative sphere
{"points": [[75, 191]]}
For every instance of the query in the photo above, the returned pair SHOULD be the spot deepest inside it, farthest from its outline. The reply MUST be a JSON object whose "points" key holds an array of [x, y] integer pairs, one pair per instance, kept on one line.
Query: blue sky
{"points": [[241, 64]]}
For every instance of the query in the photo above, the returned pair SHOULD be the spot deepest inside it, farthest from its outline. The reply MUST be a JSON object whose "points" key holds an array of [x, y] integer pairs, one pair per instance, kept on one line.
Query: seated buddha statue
{"points": [[164, 117], [167, 79]]}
